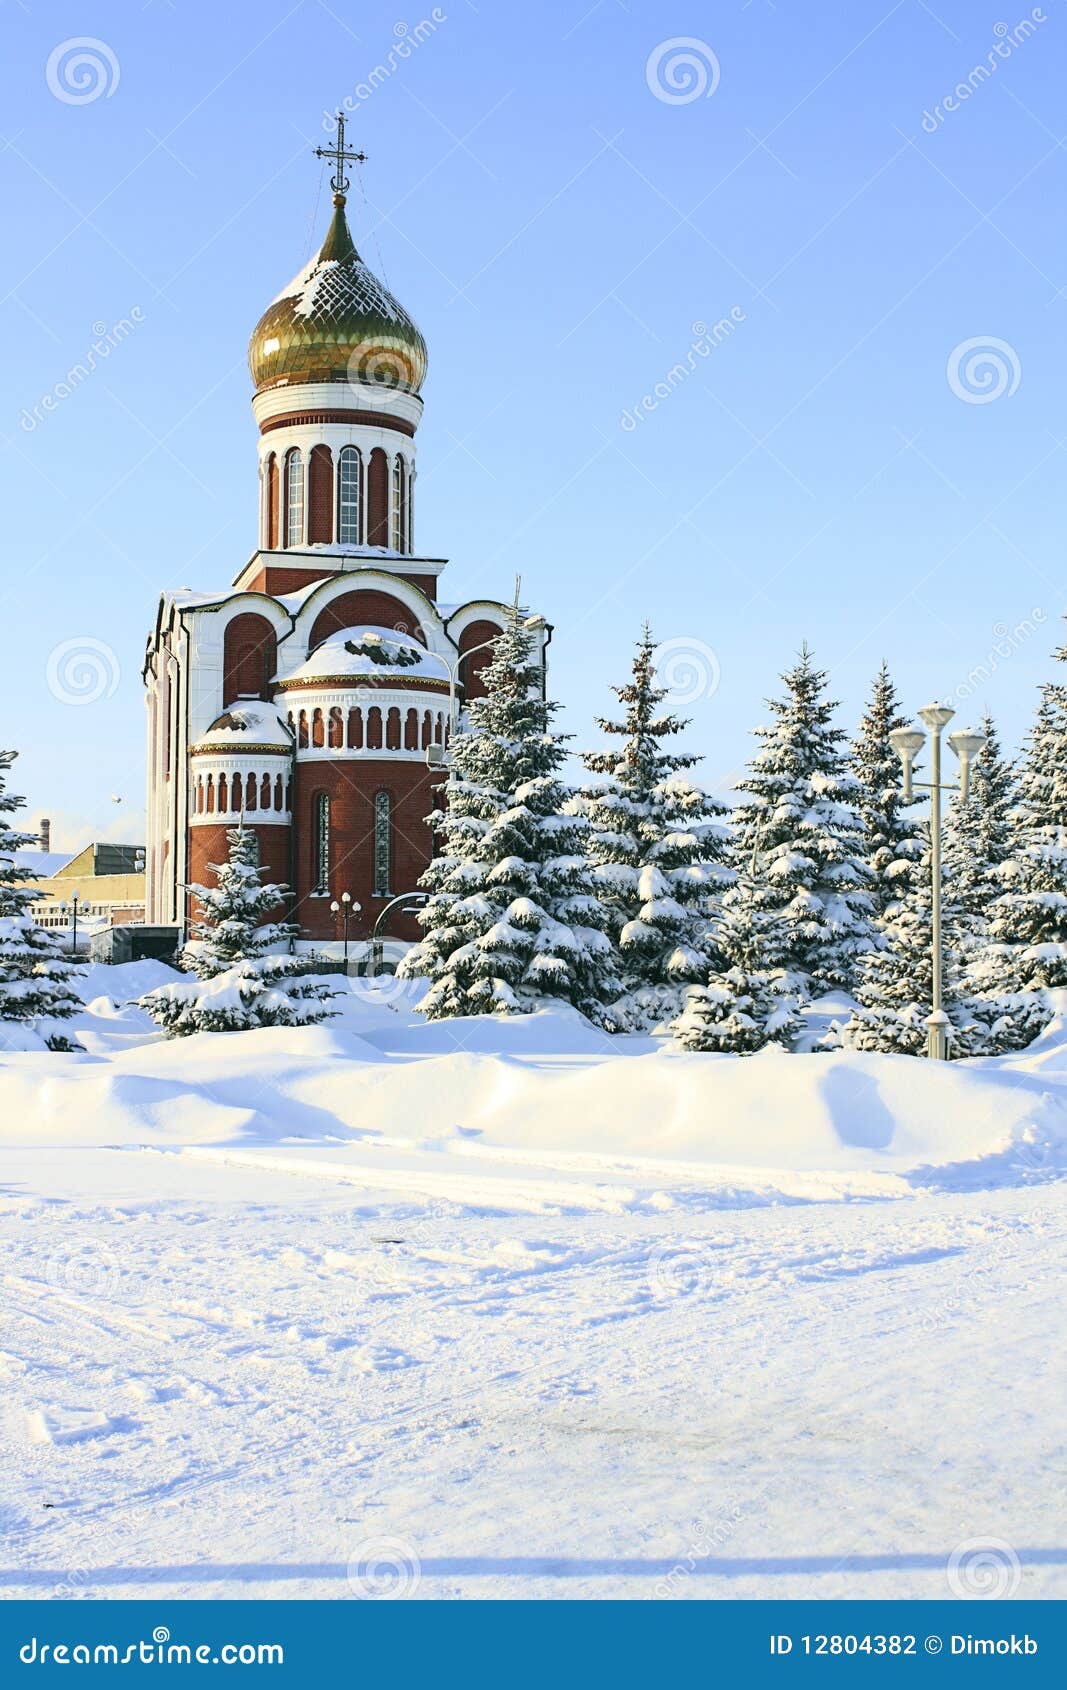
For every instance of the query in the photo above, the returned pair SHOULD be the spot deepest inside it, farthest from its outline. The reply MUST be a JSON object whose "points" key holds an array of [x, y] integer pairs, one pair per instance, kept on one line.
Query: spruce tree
{"points": [[1028, 921], [978, 840], [657, 845], [890, 832], [232, 926], [35, 979], [745, 1003], [799, 839], [512, 921], [894, 986], [242, 981]]}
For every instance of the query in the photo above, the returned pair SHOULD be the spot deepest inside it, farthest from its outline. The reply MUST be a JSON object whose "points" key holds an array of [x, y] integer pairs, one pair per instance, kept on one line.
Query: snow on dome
{"points": [[335, 321], [366, 650], [244, 724]]}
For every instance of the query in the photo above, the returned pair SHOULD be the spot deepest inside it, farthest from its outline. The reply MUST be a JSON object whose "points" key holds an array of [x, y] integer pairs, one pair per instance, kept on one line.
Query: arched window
{"points": [[321, 820], [383, 845], [410, 530], [336, 728], [348, 501], [318, 734], [374, 728], [223, 796], [282, 802], [392, 730], [302, 730], [294, 499], [264, 794], [398, 507], [250, 792]]}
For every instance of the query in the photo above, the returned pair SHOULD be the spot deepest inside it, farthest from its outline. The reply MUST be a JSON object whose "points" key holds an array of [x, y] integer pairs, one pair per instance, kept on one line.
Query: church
{"points": [[313, 699]]}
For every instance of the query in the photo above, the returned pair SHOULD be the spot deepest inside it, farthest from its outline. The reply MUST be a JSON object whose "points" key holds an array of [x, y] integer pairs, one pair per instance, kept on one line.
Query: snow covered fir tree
{"points": [[798, 836], [36, 997], [890, 842], [745, 1004], [1028, 921], [243, 978], [978, 838], [657, 845], [512, 920]]}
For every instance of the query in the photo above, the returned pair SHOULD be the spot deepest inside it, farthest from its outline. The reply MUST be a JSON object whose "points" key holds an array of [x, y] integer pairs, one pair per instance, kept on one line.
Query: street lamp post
{"points": [[348, 907], [908, 742]]}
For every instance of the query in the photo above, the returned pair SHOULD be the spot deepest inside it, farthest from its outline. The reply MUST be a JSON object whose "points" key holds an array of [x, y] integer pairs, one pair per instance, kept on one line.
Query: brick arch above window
{"points": [[359, 607], [249, 655]]}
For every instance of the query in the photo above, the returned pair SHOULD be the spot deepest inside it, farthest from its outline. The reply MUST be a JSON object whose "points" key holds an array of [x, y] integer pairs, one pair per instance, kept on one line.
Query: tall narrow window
{"points": [[409, 533], [397, 508], [383, 844], [322, 845], [348, 497], [294, 499]]}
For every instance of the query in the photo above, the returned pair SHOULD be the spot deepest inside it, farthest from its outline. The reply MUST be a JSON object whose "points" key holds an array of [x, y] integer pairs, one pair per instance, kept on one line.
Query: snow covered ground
{"points": [[496, 1309]]}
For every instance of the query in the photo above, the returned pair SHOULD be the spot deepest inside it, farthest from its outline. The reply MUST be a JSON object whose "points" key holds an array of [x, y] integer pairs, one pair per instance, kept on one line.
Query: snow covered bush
{"points": [[35, 990], [657, 844], [745, 1004], [242, 979], [261, 992], [512, 919]]}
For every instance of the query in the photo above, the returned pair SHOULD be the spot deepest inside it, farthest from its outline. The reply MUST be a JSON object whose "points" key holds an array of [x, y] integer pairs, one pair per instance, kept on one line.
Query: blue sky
{"points": [[556, 226]]}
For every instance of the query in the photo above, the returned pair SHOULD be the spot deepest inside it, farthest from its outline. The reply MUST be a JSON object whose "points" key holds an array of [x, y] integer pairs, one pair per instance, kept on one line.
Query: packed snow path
{"points": [[243, 1368]]}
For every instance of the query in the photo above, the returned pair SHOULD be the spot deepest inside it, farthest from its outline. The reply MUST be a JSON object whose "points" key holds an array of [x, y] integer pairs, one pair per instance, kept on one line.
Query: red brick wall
{"points": [[320, 495], [352, 787], [248, 659], [378, 499], [283, 578], [366, 605]]}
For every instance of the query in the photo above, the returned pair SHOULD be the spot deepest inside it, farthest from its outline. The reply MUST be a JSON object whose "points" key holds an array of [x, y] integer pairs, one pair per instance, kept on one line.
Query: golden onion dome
{"points": [[337, 322]]}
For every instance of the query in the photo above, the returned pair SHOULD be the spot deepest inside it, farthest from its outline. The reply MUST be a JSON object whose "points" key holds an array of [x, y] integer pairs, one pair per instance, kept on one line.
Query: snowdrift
{"points": [[547, 1087]]}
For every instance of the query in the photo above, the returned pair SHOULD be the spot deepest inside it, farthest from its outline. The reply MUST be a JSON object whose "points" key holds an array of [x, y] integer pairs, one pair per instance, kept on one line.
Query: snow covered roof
{"points": [[244, 724], [365, 651], [43, 863]]}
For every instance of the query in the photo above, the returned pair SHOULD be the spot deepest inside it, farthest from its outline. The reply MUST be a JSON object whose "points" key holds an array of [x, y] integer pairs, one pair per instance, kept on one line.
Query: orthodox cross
{"points": [[339, 157]]}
